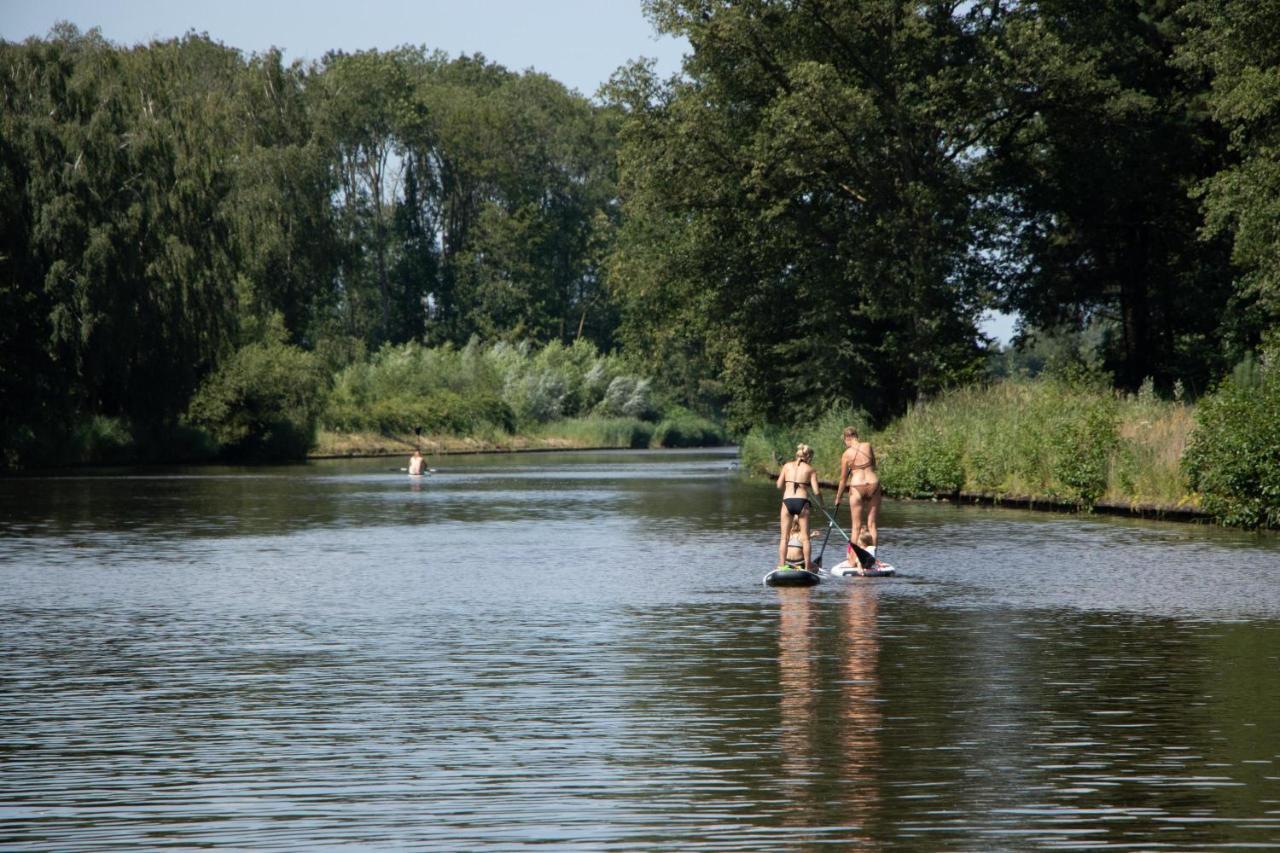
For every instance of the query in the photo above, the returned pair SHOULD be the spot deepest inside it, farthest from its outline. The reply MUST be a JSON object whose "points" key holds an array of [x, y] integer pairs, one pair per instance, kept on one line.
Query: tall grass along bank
{"points": [[1047, 440]]}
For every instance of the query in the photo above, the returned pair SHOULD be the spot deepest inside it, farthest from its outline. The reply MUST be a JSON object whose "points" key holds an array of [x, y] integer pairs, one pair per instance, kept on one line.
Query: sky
{"points": [[578, 42]]}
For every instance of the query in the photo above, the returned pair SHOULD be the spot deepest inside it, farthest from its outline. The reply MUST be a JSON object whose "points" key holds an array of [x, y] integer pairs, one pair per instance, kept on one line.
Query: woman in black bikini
{"points": [[858, 471], [796, 480]]}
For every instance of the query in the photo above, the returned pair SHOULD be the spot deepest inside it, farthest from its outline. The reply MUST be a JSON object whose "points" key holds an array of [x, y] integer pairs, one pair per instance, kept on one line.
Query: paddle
{"points": [[865, 558], [817, 563]]}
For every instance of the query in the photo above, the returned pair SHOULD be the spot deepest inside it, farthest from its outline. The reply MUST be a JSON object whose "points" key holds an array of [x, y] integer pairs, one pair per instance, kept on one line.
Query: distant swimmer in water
{"points": [[798, 480], [415, 464], [858, 472]]}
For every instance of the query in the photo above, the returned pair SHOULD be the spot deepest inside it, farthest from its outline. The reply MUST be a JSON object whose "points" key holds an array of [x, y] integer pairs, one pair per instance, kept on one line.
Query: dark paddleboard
{"points": [[791, 577]]}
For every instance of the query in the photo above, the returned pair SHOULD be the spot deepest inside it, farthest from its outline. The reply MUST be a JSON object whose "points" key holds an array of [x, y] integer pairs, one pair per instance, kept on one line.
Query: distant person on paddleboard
{"points": [[798, 480], [858, 472], [415, 464]]}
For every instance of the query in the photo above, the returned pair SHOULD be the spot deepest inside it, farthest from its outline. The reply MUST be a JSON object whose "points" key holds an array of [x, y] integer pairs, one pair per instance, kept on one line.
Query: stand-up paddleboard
{"points": [[861, 563], [792, 576], [846, 570]]}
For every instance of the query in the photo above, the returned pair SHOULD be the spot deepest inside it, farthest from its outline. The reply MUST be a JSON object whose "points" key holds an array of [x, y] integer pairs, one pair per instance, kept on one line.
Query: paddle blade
{"points": [[865, 557]]}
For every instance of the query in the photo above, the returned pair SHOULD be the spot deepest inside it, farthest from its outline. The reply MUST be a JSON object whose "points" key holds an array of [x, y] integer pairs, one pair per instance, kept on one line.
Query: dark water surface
{"points": [[575, 651]]}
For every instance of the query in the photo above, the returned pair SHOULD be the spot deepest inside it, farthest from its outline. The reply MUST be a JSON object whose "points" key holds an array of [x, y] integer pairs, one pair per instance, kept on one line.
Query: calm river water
{"points": [[575, 651]]}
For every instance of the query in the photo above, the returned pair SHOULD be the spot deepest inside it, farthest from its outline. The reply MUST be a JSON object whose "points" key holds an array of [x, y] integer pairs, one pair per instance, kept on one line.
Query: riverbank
{"points": [[1040, 444], [330, 445], [590, 433]]}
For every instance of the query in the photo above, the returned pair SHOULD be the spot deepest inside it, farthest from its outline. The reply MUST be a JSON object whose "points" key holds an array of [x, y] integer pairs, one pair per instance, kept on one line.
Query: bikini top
{"points": [[801, 484], [866, 464]]}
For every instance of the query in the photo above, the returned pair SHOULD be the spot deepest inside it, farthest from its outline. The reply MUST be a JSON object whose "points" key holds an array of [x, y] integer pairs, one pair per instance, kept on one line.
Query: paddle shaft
{"points": [[865, 557]]}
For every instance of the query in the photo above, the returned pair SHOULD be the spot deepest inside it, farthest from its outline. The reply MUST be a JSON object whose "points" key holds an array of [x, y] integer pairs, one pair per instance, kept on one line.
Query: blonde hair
{"points": [[803, 453], [850, 432]]}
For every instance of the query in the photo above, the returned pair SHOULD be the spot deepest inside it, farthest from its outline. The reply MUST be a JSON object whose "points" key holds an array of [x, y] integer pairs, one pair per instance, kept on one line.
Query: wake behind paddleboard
{"points": [[791, 577]]}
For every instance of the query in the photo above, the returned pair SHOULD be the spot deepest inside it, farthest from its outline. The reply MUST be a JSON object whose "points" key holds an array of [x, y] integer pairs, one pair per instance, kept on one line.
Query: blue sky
{"points": [[578, 42]]}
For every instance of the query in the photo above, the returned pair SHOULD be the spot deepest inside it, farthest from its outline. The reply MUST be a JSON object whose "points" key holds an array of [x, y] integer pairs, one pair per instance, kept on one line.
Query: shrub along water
{"points": [[1070, 441], [262, 403], [573, 393], [1234, 455]]}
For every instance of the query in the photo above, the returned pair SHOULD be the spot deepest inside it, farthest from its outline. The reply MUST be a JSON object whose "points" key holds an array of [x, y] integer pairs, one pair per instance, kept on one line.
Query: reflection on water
{"points": [[860, 701], [576, 650]]}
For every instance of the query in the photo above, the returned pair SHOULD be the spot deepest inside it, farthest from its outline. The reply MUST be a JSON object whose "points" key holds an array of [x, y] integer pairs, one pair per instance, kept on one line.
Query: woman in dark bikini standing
{"points": [[797, 479], [858, 471]]}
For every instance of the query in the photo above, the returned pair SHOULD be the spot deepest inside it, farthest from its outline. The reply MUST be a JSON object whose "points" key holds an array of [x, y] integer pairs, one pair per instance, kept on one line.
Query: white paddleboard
{"points": [[847, 570]]}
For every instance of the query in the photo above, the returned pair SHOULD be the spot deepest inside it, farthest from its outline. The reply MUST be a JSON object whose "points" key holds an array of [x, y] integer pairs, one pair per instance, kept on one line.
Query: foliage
{"points": [[764, 449], [927, 465], [598, 431], [263, 402], [797, 207], [1092, 191], [103, 441], [1234, 456], [682, 428], [163, 201], [1237, 44], [1052, 438], [501, 386]]}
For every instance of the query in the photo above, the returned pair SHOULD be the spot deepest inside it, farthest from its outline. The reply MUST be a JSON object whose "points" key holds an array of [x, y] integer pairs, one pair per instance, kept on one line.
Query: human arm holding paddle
{"points": [[844, 478]]}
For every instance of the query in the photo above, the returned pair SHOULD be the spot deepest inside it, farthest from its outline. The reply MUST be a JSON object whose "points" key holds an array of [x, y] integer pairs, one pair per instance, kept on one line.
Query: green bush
{"points": [[1234, 455], [927, 464], [682, 428], [1082, 441], [262, 402], [104, 441], [595, 431], [764, 449], [475, 389], [1069, 438]]}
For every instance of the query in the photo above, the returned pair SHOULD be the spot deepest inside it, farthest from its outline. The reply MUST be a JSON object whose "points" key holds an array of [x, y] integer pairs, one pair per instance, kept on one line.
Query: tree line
{"points": [[814, 214], [819, 210], [168, 205]]}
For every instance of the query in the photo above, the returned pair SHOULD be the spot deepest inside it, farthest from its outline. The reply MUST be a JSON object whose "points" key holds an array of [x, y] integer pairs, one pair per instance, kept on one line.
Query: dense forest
{"points": [[812, 216]]}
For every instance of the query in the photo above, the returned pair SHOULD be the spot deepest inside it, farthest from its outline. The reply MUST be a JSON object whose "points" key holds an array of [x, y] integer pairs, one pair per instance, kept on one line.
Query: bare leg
{"points": [[873, 515], [855, 515], [804, 537], [784, 526]]}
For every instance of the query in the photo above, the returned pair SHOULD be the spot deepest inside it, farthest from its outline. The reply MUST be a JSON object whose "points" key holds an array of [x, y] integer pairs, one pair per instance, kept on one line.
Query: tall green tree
{"points": [[116, 240], [1096, 188], [798, 204], [282, 227], [1237, 43]]}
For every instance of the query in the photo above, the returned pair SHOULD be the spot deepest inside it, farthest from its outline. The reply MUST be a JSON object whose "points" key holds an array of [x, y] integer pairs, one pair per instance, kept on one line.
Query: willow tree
{"points": [[115, 239]]}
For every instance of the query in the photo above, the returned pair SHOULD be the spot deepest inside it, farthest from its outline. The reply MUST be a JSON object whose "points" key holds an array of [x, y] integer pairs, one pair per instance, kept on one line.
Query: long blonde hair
{"points": [[803, 453]]}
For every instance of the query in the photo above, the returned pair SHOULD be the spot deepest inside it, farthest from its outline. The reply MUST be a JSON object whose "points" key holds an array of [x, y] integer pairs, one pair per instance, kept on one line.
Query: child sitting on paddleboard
{"points": [[795, 546]]}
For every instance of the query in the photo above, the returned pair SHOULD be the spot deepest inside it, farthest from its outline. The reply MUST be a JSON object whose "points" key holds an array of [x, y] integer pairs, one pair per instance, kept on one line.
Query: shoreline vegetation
{"points": [[215, 255], [1057, 444], [275, 402]]}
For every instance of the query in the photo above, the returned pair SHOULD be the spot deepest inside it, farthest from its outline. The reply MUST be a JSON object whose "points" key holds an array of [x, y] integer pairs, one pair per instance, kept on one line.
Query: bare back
{"points": [[795, 479], [858, 464]]}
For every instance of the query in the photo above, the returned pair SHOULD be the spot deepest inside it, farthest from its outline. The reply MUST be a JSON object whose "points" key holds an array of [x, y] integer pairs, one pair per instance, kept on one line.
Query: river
{"points": [[575, 651]]}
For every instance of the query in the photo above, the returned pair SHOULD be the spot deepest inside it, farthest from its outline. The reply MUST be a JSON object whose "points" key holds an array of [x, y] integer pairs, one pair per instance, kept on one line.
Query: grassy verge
{"points": [[1043, 439], [567, 434]]}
